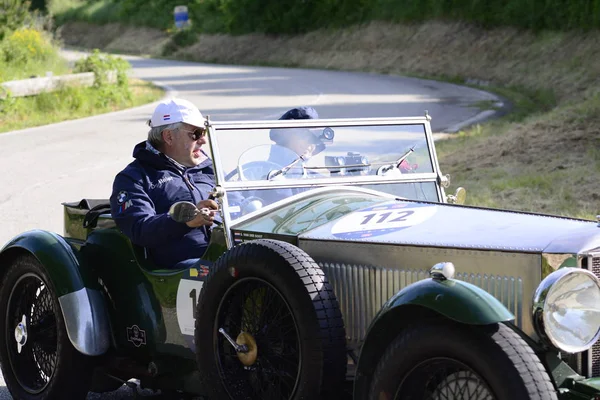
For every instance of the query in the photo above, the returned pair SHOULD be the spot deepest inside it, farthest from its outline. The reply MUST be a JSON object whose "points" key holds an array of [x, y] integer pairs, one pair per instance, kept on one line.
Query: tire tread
{"points": [[331, 333], [535, 379]]}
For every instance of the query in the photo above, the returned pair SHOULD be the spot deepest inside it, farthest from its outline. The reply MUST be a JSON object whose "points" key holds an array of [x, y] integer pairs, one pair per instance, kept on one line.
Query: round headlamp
{"points": [[566, 309]]}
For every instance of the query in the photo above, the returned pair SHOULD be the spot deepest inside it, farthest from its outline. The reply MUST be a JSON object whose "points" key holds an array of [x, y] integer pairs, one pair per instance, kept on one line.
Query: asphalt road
{"points": [[65, 162]]}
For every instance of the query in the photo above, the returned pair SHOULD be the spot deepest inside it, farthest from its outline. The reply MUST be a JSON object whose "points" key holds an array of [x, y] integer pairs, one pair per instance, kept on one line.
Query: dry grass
{"points": [[548, 162], [114, 38]]}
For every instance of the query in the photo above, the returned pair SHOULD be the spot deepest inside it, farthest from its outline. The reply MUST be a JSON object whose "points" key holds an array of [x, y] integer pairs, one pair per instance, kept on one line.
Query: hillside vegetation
{"points": [[543, 156], [291, 16]]}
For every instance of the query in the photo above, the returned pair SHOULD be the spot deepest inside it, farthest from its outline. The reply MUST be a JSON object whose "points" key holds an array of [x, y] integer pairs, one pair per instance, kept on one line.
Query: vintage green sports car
{"points": [[343, 271]]}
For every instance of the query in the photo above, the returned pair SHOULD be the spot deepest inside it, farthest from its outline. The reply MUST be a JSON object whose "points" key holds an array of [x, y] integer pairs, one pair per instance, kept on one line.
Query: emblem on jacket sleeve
{"points": [[121, 197], [122, 200], [136, 336]]}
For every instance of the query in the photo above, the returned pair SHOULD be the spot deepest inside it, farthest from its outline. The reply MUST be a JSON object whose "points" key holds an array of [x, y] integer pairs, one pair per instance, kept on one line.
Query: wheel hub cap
{"points": [[21, 334], [247, 358]]}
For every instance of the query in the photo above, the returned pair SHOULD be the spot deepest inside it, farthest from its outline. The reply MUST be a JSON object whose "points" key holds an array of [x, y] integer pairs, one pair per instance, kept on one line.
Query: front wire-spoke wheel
{"points": [[440, 360], [268, 326], [254, 311], [443, 379]]}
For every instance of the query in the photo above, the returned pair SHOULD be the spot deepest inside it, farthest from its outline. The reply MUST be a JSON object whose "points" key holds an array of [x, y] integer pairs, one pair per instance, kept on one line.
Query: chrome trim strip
{"points": [[434, 160], [350, 180], [593, 354], [219, 180], [86, 320], [317, 123]]}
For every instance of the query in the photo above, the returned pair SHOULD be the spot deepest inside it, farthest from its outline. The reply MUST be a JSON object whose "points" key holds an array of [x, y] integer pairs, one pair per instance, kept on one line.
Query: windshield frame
{"points": [[216, 128]]}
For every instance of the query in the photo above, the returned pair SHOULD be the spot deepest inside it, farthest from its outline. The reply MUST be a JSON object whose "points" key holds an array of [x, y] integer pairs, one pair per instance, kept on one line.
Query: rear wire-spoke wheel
{"points": [[31, 321], [258, 312], [38, 361]]}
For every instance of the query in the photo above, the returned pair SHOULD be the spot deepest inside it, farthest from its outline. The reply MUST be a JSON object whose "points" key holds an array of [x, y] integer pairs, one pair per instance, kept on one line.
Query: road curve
{"points": [[65, 162]]}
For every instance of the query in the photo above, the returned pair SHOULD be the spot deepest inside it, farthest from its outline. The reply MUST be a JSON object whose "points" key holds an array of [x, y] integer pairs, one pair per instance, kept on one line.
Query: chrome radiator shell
{"points": [[366, 275]]}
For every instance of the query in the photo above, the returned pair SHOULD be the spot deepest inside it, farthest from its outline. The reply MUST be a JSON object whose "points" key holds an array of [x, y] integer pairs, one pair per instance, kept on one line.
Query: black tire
{"points": [[448, 361], [306, 361], [63, 372]]}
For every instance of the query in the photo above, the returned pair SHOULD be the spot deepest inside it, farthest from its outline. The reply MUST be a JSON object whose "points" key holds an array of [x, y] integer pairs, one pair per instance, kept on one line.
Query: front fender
{"points": [[454, 299], [429, 298], [80, 299]]}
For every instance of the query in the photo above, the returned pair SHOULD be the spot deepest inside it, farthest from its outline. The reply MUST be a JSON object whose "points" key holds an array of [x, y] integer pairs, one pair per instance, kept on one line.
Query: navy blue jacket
{"points": [[140, 201]]}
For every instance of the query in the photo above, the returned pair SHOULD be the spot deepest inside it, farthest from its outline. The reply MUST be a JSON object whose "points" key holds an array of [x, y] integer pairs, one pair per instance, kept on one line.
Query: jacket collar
{"points": [[147, 154]]}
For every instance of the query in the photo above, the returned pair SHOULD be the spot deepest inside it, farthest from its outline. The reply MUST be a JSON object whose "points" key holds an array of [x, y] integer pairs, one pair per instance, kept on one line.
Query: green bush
{"points": [[207, 16], [184, 37], [102, 65], [14, 14], [181, 38], [40, 5], [281, 16], [25, 46], [154, 13]]}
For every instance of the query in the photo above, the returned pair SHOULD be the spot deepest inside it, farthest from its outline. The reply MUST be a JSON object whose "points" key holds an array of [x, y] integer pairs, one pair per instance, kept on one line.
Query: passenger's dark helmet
{"points": [[292, 138], [300, 113]]}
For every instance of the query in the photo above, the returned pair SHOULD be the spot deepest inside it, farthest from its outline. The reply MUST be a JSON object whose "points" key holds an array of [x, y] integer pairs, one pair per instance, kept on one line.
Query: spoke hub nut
{"points": [[21, 334], [249, 357]]}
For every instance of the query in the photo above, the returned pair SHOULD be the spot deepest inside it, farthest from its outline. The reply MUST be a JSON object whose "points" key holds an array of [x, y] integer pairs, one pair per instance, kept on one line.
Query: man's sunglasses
{"points": [[196, 134]]}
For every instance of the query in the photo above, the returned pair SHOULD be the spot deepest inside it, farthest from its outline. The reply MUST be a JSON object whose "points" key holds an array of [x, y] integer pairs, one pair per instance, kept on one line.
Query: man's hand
{"points": [[204, 218]]}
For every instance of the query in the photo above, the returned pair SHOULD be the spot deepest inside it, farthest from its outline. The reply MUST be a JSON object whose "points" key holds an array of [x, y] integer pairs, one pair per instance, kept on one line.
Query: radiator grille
{"points": [[362, 291], [594, 355], [507, 289]]}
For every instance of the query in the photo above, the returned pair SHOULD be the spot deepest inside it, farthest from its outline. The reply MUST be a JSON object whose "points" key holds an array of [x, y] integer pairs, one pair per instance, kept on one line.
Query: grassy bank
{"points": [[542, 157], [71, 103]]}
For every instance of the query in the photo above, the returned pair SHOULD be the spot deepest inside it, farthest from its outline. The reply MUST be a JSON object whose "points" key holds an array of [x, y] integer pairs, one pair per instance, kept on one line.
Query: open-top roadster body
{"points": [[342, 272]]}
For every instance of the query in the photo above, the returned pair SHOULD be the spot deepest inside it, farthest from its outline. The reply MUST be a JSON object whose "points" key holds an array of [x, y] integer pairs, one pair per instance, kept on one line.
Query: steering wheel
{"points": [[257, 170]]}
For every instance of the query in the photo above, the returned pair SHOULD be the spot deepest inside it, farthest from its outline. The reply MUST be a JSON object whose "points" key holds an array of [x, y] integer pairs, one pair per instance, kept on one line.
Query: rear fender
{"points": [[455, 300], [79, 295]]}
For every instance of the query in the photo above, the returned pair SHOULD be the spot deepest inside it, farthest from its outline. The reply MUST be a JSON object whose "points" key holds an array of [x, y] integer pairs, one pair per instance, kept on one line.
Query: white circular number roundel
{"points": [[381, 220]]}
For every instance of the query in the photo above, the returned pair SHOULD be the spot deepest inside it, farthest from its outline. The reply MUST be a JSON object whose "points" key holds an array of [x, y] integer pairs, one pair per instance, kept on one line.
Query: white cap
{"points": [[176, 110]]}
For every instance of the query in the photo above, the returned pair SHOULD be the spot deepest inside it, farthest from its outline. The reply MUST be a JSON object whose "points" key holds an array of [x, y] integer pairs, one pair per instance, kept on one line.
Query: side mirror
{"points": [[183, 211], [459, 197]]}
